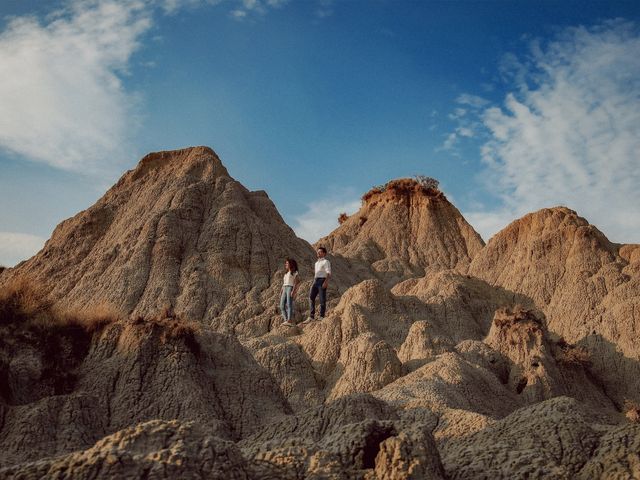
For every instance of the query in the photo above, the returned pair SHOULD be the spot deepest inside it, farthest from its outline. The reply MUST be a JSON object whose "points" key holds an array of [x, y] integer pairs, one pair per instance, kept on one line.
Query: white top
{"points": [[323, 268], [290, 279]]}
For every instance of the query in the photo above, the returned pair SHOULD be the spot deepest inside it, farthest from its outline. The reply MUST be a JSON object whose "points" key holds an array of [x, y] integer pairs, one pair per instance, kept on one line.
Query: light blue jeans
{"points": [[286, 303]]}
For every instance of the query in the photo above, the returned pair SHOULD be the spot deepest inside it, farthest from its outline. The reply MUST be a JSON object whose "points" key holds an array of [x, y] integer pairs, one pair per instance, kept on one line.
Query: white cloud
{"points": [[466, 119], [62, 98], [15, 247], [569, 132], [248, 8], [488, 223], [321, 217], [324, 9], [61, 79], [472, 100]]}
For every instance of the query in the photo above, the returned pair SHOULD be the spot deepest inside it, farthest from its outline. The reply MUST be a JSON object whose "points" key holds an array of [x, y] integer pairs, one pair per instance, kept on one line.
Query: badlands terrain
{"points": [[143, 341]]}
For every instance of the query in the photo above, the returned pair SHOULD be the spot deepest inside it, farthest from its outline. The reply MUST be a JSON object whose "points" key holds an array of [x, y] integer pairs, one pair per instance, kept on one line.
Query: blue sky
{"points": [[513, 106]]}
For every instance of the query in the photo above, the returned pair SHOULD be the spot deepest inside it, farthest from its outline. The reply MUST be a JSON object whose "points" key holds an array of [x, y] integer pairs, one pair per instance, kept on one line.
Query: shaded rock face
{"points": [[352, 437], [539, 368], [156, 449], [404, 230], [550, 440], [179, 232], [588, 287], [131, 373]]}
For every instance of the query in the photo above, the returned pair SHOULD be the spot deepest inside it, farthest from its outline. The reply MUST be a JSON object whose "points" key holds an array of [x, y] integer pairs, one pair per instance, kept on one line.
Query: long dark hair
{"points": [[293, 265]]}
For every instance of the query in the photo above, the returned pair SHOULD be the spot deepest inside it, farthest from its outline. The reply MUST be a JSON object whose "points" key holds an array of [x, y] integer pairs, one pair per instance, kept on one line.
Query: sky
{"points": [[512, 105]]}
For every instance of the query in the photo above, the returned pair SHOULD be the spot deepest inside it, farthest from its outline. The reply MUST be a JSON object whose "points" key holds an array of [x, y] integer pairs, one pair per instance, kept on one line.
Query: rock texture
{"points": [[156, 449], [403, 230], [153, 348], [179, 232], [588, 287], [65, 385]]}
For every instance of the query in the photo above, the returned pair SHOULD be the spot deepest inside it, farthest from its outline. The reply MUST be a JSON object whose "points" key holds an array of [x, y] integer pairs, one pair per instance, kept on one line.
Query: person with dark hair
{"points": [[289, 289], [320, 284]]}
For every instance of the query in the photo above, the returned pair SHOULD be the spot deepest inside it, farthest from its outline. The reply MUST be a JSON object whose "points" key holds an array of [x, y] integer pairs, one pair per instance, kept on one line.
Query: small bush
{"points": [[25, 304], [632, 411], [510, 316], [173, 327], [419, 184], [571, 355], [427, 182], [95, 317], [342, 218]]}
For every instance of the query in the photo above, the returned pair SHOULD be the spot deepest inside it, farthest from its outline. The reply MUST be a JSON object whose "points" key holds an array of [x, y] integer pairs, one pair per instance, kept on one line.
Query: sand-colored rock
{"points": [[176, 231], [588, 288], [131, 372], [291, 368], [367, 363], [449, 382], [404, 230], [410, 455], [156, 449], [196, 377]]}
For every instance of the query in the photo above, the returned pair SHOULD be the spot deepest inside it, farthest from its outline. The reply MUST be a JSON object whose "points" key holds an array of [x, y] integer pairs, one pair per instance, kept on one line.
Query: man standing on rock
{"points": [[320, 284]]}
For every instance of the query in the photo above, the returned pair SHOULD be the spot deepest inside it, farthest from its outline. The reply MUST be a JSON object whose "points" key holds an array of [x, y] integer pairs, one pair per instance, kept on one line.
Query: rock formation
{"points": [[143, 341], [178, 232], [588, 288], [403, 230]]}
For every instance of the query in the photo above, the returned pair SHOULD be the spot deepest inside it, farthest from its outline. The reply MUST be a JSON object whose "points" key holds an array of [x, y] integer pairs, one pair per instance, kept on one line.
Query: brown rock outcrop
{"points": [[403, 230], [588, 288], [178, 232], [538, 367], [64, 385], [196, 376], [155, 449]]}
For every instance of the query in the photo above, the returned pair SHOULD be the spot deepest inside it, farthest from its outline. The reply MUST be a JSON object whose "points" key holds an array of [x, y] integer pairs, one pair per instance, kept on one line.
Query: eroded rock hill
{"points": [[440, 357], [588, 287], [179, 232], [404, 230]]}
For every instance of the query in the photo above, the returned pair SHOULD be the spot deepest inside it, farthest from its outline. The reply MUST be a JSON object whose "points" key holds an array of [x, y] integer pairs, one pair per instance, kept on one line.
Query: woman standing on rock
{"points": [[289, 289]]}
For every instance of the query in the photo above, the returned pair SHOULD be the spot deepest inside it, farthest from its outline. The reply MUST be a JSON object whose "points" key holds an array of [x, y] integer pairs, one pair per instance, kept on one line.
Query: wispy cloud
{"points": [[249, 8], [62, 98], [324, 9], [62, 93], [466, 117], [15, 247], [321, 217], [568, 132]]}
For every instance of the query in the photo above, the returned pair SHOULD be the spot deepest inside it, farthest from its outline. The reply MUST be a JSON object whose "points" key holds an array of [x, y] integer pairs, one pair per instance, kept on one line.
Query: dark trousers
{"points": [[313, 293]]}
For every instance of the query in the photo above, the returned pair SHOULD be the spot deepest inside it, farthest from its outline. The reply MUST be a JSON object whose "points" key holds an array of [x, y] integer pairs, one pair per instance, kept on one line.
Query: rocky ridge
{"points": [[440, 357]]}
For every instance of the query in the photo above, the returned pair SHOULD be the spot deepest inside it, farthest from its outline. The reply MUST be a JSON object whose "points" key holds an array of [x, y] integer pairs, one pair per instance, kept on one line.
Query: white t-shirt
{"points": [[323, 268], [290, 279]]}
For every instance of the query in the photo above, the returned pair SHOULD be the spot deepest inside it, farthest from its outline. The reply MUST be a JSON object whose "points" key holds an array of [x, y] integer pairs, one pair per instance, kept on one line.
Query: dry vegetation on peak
{"points": [[401, 188]]}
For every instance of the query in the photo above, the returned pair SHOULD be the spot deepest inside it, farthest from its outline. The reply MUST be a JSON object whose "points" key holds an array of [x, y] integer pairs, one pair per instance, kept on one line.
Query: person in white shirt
{"points": [[320, 284], [289, 289]]}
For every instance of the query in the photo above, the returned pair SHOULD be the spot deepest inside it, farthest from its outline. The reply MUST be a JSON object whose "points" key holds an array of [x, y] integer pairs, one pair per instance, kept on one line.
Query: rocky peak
{"points": [[403, 229], [175, 232]]}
